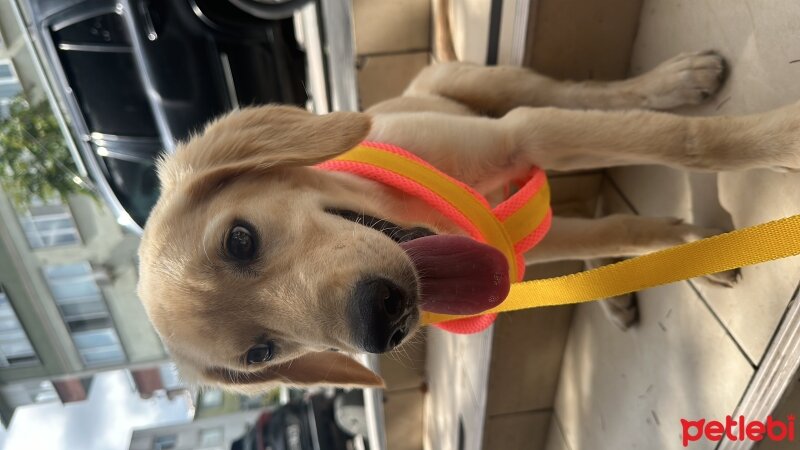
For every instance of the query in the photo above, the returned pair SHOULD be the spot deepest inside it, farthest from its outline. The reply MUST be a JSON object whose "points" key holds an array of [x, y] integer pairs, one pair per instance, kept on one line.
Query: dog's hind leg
{"points": [[686, 79]]}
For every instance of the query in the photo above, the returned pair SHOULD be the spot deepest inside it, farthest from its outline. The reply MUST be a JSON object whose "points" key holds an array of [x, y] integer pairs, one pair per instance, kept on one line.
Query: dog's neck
{"points": [[390, 204]]}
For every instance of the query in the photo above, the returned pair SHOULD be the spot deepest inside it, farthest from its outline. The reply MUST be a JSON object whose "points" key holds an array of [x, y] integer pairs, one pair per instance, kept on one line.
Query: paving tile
{"points": [[403, 410], [519, 431], [575, 194], [384, 77], [526, 359], [555, 439], [404, 368], [755, 40], [626, 390], [579, 39], [387, 26], [655, 190]]}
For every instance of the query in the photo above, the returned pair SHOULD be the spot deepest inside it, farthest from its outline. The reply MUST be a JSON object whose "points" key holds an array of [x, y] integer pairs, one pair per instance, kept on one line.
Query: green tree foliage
{"points": [[34, 160]]}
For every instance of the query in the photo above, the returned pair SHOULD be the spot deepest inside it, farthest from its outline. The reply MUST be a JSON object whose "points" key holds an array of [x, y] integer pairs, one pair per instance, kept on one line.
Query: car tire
{"points": [[269, 9], [349, 412]]}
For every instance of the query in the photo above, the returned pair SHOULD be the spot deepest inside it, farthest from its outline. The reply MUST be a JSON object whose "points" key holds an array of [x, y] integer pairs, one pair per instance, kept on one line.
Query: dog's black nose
{"points": [[379, 313]]}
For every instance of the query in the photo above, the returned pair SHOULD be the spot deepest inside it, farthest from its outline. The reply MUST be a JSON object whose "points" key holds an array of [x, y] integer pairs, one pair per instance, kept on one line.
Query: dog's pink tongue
{"points": [[459, 275]]}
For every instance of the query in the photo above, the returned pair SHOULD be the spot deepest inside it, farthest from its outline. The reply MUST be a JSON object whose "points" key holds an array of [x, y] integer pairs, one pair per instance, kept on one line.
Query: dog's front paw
{"points": [[687, 79], [622, 311], [727, 279]]}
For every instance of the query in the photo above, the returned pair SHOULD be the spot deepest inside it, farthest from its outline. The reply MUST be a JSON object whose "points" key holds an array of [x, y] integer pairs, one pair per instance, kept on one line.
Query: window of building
{"points": [[211, 398], [29, 392], [9, 89], [49, 225], [15, 347], [165, 442], [211, 437], [85, 313], [9, 86], [170, 377], [6, 72]]}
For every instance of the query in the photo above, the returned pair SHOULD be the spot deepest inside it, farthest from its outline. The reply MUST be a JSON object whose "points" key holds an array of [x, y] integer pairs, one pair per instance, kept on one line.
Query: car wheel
{"points": [[349, 413], [270, 9]]}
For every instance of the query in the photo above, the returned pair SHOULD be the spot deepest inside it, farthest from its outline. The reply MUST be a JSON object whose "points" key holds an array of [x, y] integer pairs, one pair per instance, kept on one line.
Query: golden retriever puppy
{"points": [[257, 268]]}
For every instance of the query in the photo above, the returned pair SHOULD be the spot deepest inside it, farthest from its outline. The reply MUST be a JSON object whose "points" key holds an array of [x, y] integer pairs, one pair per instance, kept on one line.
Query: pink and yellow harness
{"points": [[514, 226]]}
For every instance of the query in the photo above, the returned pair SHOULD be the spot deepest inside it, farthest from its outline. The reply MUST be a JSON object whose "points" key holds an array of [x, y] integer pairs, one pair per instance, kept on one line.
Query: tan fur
{"points": [[252, 165]]}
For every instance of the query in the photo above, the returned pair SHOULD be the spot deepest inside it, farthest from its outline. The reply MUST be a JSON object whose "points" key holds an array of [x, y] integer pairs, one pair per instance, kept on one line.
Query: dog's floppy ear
{"points": [[262, 138], [319, 368]]}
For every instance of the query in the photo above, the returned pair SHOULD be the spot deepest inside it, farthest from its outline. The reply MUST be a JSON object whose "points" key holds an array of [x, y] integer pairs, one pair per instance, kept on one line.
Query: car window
{"points": [[135, 184], [101, 70], [109, 92], [105, 29]]}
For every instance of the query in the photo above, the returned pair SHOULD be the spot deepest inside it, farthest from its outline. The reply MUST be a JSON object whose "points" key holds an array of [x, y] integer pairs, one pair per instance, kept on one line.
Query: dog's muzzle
{"points": [[381, 313]]}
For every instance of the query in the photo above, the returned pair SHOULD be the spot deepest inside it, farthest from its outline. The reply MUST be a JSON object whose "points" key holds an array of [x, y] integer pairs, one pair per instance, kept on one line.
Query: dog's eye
{"points": [[240, 243], [260, 353]]}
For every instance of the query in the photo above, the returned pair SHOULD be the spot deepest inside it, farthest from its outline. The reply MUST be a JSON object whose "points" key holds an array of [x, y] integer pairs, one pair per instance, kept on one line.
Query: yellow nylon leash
{"points": [[753, 245]]}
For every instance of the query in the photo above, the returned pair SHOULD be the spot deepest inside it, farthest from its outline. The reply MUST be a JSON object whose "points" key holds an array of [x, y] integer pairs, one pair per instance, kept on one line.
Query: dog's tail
{"points": [[443, 50]]}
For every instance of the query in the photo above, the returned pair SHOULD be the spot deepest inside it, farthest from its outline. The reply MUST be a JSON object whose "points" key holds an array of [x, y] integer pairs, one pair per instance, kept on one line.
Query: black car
{"points": [[136, 76], [318, 422]]}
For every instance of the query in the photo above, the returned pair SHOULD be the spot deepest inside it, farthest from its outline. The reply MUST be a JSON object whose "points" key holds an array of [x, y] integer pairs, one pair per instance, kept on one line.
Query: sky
{"points": [[102, 422]]}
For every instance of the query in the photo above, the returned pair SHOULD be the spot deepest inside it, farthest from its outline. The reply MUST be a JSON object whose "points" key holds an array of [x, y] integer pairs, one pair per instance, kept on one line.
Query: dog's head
{"points": [[257, 269], [252, 268]]}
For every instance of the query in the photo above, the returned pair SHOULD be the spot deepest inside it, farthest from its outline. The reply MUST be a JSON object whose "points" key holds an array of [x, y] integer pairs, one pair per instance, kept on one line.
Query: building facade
{"points": [[68, 274], [209, 433]]}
